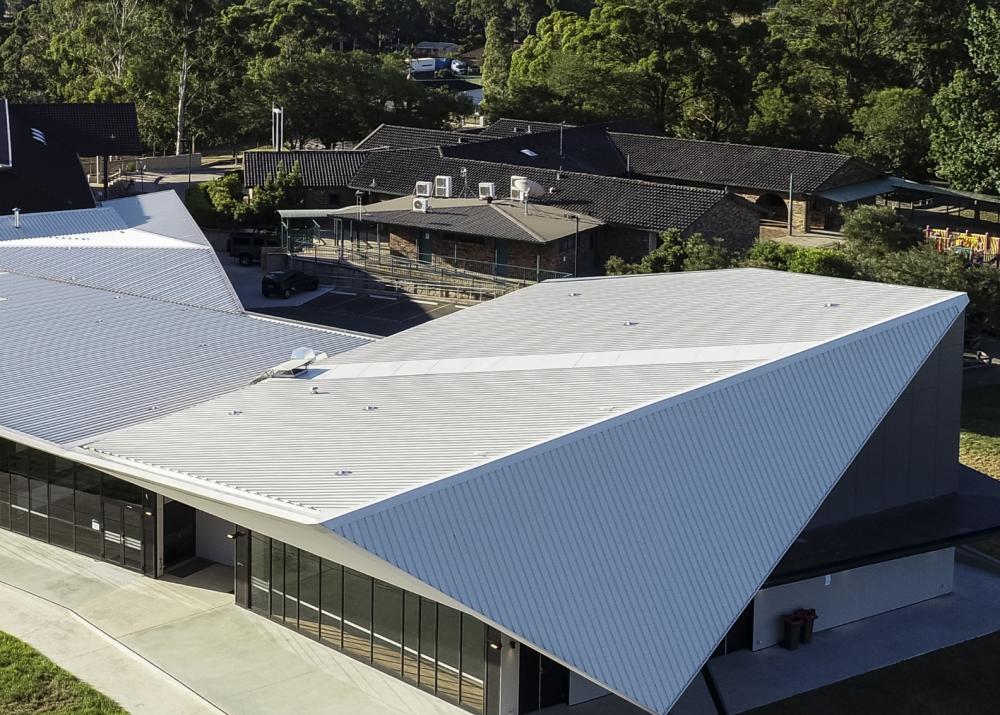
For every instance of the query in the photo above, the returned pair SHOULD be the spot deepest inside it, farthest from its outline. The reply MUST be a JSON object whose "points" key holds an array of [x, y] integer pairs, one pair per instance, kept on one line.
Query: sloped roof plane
{"points": [[627, 549], [663, 440]]}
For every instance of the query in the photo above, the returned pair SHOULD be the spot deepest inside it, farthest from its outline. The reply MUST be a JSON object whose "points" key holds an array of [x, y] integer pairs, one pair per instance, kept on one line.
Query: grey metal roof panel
{"points": [[61, 223], [162, 213], [627, 549], [676, 310], [189, 276], [320, 169], [80, 361]]}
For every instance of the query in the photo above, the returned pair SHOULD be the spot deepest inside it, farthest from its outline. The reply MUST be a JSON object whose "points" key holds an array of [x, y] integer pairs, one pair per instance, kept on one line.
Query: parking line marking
{"points": [[383, 297], [343, 292], [424, 302]]}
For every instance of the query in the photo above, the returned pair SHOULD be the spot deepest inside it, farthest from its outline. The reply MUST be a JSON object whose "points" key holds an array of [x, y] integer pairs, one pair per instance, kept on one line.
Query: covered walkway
{"points": [[181, 646]]}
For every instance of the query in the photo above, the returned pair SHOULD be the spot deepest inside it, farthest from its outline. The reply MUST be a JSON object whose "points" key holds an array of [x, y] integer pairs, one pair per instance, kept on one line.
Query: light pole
{"points": [[576, 242], [186, 147]]}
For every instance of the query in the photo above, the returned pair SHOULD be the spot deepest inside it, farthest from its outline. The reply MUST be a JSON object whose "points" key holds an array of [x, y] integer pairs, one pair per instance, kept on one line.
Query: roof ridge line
{"points": [[444, 482]]}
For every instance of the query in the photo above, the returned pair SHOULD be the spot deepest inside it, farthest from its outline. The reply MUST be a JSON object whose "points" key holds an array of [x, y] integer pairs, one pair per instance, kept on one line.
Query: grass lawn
{"points": [[960, 679], [980, 440], [31, 683]]}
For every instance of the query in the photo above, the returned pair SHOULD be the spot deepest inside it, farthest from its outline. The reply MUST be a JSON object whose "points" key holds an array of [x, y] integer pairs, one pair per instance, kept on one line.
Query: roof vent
{"points": [[296, 364], [39, 136], [831, 305], [630, 323], [17, 218], [529, 153], [314, 390]]}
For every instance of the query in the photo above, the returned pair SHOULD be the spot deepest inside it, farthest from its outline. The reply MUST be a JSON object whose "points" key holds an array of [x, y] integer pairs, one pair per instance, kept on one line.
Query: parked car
{"points": [[283, 284], [246, 247]]}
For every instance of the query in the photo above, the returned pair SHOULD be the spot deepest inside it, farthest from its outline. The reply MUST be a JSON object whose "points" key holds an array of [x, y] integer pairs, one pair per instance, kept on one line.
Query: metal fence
{"points": [[438, 272]]}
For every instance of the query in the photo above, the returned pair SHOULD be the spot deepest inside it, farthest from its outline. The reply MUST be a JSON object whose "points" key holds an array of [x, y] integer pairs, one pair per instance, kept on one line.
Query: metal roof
{"points": [[189, 276], [472, 216], [81, 361], [655, 442], [61, 223], [162, 213], [319, 168]]}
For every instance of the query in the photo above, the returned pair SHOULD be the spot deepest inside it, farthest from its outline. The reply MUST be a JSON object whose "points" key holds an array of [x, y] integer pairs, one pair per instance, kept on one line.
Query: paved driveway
{"points": [[192, 631], [337, 308]]}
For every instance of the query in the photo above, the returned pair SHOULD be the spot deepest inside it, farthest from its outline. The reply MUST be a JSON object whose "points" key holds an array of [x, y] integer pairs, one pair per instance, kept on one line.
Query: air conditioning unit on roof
{"points": [[487, 190], [516, 193], [423, 188], [421, 204], [442, 186]]}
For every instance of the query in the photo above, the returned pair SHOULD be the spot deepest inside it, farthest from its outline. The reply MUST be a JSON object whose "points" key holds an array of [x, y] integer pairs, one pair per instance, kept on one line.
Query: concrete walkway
{"points": [[91, 655], [751, 679], [178, 647]]}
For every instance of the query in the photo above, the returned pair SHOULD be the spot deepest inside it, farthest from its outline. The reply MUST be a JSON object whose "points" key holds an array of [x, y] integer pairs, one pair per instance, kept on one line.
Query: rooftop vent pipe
{"points": [[17, 218]]}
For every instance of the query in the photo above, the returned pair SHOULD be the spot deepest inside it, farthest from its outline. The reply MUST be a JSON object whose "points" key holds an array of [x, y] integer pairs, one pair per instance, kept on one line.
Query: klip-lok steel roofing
{"points": [[607, 468]]}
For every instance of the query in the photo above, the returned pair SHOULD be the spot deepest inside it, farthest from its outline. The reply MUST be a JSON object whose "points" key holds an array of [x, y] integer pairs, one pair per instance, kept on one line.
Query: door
{"points": [[425, 252], [501, 257], [114, 538], [242, 571], [178, 533], [542, 682]]}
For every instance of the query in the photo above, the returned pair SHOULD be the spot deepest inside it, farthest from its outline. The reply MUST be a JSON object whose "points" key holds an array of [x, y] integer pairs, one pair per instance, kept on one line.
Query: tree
{"points": [[676, 253], [965, 125], [877, 230], [800, 259], [890, 131], [496, 60]]}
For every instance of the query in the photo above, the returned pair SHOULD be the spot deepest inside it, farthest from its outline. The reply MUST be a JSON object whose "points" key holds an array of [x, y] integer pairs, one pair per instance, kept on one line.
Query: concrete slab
{"points": [[92, 656], [751, 679], [196, 638]]}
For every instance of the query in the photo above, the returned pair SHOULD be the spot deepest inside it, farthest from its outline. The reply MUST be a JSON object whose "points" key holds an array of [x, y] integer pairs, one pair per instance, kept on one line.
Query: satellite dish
{"points": [[527, 186], [304, 354]]}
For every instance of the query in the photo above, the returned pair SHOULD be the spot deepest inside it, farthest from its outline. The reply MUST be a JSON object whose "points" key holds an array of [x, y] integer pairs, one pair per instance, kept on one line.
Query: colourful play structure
{"points": [[975, 247]]}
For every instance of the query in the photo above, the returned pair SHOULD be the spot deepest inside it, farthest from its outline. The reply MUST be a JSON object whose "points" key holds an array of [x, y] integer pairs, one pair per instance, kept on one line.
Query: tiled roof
{"points": [[623, 202], [90, 129], [391, 136], [585, 149], [724, 164], [504, 128], [319, 168]]}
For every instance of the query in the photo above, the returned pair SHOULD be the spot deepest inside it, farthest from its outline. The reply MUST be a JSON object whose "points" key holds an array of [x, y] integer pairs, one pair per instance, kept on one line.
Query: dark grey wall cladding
{"points": [[913, 453]]}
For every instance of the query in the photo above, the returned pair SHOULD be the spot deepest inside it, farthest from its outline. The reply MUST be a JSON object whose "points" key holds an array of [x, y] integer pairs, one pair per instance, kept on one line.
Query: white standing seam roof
{"points": [[606, 468], [60, 223], [162, 213], [81, 361]]}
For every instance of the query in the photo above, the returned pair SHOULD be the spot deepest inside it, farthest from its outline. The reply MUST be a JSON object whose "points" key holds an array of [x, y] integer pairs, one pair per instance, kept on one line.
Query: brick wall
{"points": [[736, 223], [329, 197]]}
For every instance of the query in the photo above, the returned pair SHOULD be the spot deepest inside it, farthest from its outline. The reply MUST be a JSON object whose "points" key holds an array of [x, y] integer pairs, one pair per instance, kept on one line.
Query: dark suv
{"points": [[246, 247], [282, 284]]}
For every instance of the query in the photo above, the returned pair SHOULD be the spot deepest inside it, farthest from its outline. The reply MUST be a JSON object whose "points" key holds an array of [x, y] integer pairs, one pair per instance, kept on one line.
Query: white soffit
{"points": [[627, 549]]}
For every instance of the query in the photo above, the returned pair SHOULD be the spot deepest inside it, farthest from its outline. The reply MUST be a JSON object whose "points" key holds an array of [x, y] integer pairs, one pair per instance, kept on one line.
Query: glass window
{"points": [[121, 490], [387, 633], [113, 533], [39, 463], [291, 586], [277, 579], [4, 498], [428, 645], [20, 457], [61, 503], [19, 501], [357, 614], [39, 526], [88, 511], [309, 594], [332, 594], [449, 637], [473, 663], [260, 574], [411, 637], [5, 446]]}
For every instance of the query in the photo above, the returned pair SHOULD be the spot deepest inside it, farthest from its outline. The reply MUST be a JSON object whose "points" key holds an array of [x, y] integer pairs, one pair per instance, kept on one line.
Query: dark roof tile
{"points": [[319, 168], [90, 129], [391, 136]]}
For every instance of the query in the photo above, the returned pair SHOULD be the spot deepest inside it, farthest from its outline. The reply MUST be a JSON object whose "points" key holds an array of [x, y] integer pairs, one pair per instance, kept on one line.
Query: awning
{"points": [[892, 184]]}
